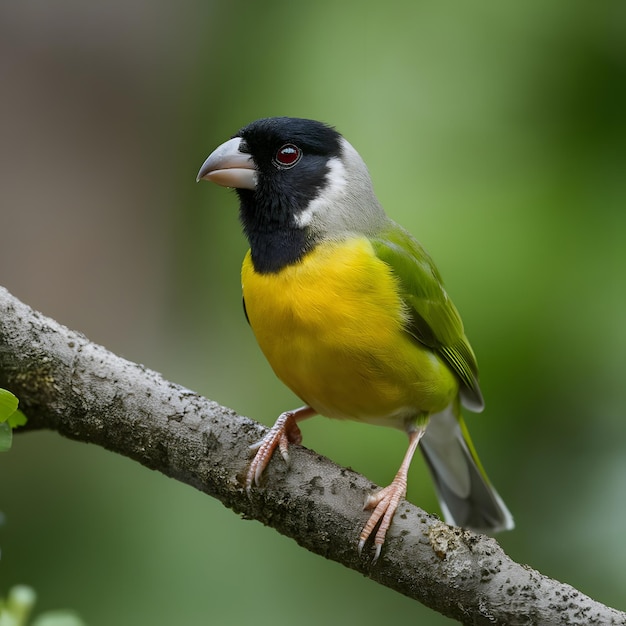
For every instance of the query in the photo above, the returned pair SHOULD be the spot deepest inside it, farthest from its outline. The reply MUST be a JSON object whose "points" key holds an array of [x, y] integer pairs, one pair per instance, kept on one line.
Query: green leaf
{"points": [[17, 419], [8, 404], [6, 436]]}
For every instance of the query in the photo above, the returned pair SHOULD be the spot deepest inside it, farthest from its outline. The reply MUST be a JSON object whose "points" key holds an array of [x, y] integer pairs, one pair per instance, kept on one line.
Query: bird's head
{"points": [[299, 182]]}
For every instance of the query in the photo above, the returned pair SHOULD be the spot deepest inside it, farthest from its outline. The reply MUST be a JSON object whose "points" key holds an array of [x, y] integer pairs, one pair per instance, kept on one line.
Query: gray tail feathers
{"points": [[465, 494]]}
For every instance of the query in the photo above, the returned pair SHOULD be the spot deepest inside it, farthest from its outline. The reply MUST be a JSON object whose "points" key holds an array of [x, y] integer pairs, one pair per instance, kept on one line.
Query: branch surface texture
{"points": [[68, 384]]}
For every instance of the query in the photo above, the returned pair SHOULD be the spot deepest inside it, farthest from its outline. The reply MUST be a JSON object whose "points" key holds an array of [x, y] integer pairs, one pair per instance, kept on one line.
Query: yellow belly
{"points": [[331, 327]]}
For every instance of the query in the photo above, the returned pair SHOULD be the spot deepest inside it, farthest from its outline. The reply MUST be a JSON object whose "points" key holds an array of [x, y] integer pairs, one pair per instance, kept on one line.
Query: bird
{"points": [[351, 313]]}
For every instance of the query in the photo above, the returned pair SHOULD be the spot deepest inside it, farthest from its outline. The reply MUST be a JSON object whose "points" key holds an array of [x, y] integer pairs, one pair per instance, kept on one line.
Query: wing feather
{"points": [[433, 319]]}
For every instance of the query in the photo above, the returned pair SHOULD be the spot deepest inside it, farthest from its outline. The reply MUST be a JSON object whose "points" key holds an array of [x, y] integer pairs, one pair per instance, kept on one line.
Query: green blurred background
{"points": [[494, 131]]}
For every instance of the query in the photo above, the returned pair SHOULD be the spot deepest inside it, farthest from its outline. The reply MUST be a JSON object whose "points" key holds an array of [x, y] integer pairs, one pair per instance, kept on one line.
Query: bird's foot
{"points": [[384, 502], [284, 432]]}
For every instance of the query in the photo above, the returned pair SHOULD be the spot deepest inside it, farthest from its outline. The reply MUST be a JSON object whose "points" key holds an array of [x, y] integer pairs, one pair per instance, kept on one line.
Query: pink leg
{"points": [[386, 501], [284, 432]]}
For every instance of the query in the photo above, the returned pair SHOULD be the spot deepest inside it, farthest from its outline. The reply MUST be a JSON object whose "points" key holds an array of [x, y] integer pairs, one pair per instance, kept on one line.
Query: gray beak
{"points": [[228, 167]]}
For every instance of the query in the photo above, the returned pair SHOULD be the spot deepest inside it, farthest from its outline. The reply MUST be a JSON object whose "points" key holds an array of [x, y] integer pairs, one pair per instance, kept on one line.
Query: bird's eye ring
{"points": [[287, 156]]}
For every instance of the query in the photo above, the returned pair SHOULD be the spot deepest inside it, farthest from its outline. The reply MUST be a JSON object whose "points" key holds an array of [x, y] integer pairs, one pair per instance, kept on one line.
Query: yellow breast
{"points": [[331, 327]]}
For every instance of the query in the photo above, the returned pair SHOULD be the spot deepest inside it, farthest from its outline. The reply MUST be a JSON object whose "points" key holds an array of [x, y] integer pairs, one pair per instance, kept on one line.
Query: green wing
{"points": [[434, 320]]}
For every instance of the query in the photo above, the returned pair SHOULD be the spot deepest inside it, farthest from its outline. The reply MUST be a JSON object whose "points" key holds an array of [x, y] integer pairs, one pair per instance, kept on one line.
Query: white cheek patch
{"points": [[333, 189]]}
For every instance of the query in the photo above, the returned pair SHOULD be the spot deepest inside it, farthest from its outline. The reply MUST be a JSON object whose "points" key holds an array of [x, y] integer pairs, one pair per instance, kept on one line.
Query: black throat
{"points": [[276, 241]]}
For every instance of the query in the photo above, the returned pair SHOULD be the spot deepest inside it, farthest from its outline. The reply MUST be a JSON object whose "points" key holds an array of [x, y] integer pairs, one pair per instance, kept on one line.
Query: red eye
{"points": [[288, 156]]}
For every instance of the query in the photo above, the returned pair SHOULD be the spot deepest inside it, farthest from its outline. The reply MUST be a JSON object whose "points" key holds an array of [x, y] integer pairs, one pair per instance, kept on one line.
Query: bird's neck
{"points": [[273, 251], [275, 240]]}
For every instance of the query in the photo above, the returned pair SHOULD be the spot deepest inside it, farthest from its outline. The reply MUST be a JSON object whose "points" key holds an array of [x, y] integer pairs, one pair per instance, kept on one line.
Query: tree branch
{"points": [[68, 384]]}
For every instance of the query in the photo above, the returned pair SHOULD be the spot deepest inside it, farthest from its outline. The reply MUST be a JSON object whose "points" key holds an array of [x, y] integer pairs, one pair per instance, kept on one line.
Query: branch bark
{"points": [[68, 384]]}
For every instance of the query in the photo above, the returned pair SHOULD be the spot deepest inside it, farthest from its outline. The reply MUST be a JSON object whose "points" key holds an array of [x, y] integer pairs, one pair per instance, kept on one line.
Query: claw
{"points": [[284, 432], [385, 502], [360, 546]]}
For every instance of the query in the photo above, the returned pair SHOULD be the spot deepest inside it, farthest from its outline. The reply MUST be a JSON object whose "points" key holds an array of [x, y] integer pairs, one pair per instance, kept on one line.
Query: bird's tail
{"points": [[465, 494]]}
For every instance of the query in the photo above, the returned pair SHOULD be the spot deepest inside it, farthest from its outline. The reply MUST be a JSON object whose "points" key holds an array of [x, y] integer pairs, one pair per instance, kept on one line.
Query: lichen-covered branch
{"points": [[68, 384]]}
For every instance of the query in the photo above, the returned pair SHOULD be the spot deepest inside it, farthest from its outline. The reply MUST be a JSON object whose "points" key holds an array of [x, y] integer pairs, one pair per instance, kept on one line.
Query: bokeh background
{"points": [[494, 131]]}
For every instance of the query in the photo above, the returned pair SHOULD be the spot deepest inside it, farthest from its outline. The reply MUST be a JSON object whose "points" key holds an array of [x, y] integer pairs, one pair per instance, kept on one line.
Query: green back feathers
{"points": [[434, 320]]}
